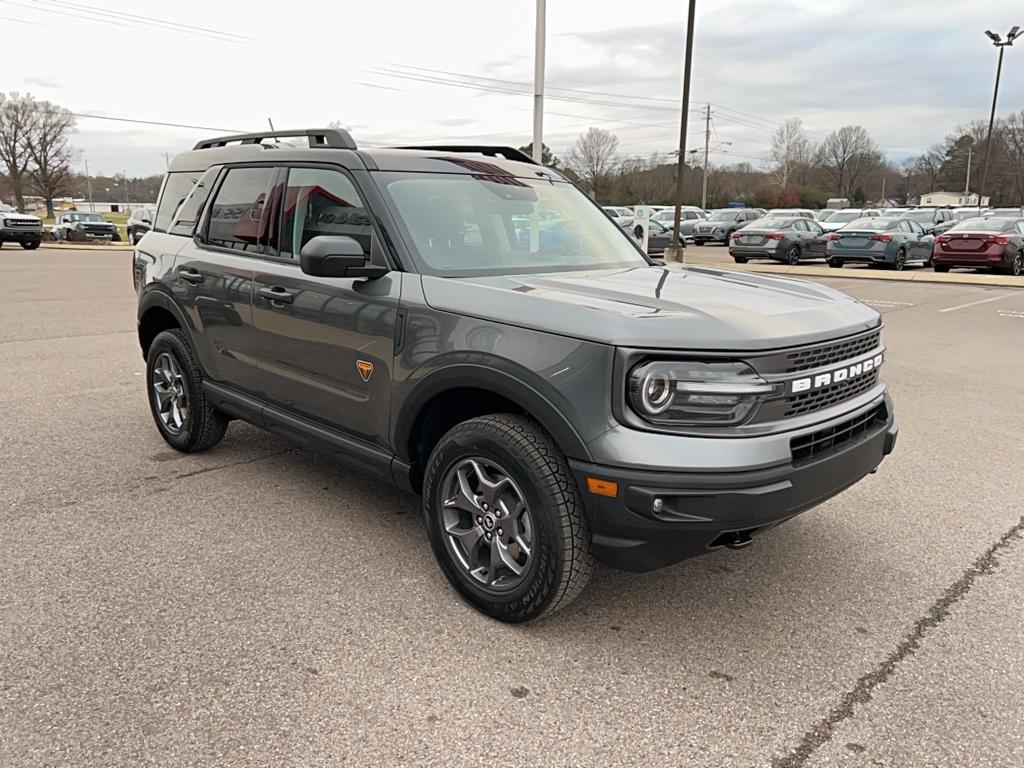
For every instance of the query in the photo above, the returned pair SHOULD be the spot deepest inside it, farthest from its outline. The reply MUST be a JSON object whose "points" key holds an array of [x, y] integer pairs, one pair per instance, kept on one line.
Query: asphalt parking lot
{"points": [[258, 605]]}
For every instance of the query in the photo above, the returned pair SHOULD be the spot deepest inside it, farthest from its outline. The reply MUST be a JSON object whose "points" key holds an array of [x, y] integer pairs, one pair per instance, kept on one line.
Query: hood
{"points": [[15, 216], [690, 308]]}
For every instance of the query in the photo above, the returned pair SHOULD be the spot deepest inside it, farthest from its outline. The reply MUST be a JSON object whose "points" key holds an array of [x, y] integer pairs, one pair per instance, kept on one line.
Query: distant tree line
{"points": [[797, 172]]}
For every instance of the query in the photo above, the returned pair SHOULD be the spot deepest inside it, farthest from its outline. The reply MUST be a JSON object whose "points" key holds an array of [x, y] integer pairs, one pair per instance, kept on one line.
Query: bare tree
{"points": [[847, 156], [47, 144], [593, 157], [15, 119], [930, 165], [788, 148]]}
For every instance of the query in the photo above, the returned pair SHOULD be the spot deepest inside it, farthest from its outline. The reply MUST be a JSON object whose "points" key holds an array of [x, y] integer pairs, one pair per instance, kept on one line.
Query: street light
{"points": [[999, 43]]}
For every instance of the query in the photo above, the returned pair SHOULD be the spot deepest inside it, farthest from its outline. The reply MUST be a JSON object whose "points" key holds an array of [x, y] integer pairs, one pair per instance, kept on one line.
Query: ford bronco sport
{"points": [[553, 399]]}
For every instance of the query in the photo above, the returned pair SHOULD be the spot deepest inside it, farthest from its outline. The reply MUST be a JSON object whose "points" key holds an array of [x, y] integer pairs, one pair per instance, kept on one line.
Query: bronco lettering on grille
{"points": [[835, 377]]}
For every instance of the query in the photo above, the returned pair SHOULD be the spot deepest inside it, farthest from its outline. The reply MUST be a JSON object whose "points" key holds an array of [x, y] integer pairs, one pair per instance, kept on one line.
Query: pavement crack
{"points": [[861, 693], [238, 463]]}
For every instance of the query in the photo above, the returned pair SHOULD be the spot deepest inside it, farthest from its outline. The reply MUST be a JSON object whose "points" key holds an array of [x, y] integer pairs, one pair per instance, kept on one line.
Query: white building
{"points": [[958, 199]]}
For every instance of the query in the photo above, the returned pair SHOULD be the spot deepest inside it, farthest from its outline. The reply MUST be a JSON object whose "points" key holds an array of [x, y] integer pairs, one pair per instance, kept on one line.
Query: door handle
{"points": [[277, 294], [190, 275]]}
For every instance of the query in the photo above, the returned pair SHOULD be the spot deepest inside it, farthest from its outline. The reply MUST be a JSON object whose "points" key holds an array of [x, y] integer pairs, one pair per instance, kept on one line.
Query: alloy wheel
{"points": [[171, 396], [487, 524], [901, 259], [1018, 265]]}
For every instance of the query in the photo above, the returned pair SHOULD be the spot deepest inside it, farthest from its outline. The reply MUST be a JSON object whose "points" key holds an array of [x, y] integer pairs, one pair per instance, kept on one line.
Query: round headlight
{"points": [[656, 393]]}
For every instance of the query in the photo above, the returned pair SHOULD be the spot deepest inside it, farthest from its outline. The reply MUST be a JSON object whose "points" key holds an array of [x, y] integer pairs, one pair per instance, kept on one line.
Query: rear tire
{"points": [[740, 259], [174, 384], [793, 255], [940, 268], [514, 454], [834, 263], [1017, 267], [901, 260]]}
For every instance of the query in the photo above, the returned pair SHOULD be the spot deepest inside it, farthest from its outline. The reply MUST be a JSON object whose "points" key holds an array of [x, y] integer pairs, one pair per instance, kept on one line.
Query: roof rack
{"points": [[333, 138], [509, 153]]}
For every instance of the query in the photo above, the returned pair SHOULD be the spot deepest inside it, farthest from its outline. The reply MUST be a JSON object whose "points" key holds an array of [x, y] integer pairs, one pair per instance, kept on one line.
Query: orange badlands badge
{"points": [[365, 369]]}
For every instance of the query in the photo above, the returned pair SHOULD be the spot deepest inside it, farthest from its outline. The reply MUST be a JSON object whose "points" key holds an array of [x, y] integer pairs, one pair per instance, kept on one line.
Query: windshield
{"points": [[6, 208], [981, 225], [964, 215], [843, 216], [85, 217], [921, 217], [722, 216], [770, 222], [470, 225], [825, 215]]}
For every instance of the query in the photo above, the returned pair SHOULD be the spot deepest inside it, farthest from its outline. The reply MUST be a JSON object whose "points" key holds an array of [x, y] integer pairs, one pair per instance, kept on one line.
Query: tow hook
{"points": [[736, 540]]}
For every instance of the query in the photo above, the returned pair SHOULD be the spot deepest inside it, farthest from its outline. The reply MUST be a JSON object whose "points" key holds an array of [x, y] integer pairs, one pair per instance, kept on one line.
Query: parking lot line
{"points": [[975, 303]]}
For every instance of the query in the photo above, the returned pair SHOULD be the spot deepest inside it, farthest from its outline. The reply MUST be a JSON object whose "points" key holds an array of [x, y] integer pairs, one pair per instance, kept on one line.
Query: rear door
{"points": [[919, 244], [214, 271], [815, 237], [326, 345]]}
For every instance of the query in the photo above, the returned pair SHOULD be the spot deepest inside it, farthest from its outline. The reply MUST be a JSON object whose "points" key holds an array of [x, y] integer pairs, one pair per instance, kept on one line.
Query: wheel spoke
{"points": [[500, 556], [463, 498]]}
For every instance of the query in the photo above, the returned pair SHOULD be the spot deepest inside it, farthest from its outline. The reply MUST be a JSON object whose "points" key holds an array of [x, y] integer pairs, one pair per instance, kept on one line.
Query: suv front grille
{"points": [[818, 444], [826, 354], [805, 402], [24, 224]]}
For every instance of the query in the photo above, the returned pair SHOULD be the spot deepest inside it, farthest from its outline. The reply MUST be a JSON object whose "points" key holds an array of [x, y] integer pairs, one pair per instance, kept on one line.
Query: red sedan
{"points": [[991, 243]]}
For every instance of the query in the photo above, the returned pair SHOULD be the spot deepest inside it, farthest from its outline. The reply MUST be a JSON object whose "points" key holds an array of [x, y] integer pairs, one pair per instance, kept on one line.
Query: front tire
{"points": [[174, 382], [31, 245], [505, 519]]}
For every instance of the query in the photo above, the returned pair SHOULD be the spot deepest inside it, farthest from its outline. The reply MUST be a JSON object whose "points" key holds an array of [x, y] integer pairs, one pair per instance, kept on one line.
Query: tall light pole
{"points": [[538, 83], [1001, 44], [678, 247]]}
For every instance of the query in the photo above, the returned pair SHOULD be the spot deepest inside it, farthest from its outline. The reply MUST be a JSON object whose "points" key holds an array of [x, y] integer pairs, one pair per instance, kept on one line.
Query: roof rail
{"points": [[333, 138], [509, 153]]}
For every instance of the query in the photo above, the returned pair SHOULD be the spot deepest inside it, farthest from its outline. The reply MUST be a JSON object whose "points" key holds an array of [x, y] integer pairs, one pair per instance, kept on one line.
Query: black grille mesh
{"points": [[826, 354], [817, 444], [805, 402]]}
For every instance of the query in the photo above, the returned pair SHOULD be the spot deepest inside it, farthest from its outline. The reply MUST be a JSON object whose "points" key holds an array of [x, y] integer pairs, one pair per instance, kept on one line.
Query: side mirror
{"points": [[337, 256]]}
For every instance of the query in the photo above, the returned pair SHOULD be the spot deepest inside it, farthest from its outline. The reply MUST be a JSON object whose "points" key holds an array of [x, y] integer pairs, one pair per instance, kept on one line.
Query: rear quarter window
{"points": [[176, 188]]}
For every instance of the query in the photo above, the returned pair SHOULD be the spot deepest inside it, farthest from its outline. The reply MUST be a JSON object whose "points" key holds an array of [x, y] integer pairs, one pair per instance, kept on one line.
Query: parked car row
{"points": [[891, 241]]}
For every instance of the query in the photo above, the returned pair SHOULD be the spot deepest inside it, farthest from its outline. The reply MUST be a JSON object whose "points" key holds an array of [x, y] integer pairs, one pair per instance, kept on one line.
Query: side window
{"points": [[691, 215], [1020, 227], [175, 189], [236, 215], [798, 225], [185, 221], [319, 201], [903, 226]]}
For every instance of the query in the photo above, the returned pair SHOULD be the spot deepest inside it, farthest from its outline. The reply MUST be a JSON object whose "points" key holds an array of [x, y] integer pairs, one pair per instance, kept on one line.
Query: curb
{"points": [[86, 246], [956, 278]]}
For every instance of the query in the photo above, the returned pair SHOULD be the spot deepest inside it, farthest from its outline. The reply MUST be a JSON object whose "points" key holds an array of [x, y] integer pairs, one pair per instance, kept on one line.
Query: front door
{"points": [[326, 344]]}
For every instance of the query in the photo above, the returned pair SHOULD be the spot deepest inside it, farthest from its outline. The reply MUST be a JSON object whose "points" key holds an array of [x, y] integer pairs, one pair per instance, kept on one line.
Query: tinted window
{"points": [[236, 216], [184, 223], [175, 190], [320, 202]]}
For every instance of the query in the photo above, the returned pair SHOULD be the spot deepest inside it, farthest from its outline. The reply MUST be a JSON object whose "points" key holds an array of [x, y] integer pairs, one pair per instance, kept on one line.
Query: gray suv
{"points": [[468, 325]]}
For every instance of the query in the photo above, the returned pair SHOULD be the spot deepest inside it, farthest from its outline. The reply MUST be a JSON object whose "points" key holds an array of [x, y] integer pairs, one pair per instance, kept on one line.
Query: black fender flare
{"points": [[155, 298], [494, 376]]}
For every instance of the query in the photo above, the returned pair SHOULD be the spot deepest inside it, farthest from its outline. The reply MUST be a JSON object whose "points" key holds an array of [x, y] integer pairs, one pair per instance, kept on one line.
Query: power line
{"points": [[125, 19], [152, 122]]}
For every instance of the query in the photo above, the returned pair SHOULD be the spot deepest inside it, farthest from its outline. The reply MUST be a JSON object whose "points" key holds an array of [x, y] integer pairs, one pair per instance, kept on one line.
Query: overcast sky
{"points": [[907, 70]]}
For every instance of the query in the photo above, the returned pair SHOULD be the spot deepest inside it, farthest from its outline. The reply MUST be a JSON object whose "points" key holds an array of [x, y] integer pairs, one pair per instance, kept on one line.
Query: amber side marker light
{"points": [[602, 487]]}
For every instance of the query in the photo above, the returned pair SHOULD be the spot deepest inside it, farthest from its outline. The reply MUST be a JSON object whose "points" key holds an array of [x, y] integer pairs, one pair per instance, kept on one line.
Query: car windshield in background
{"points": [[6, 208], [770, 222], [981, 225], [964, 215], [470, 225], [844, 216], [85, 217], [921, 217], [722, 216], [825, 215]]}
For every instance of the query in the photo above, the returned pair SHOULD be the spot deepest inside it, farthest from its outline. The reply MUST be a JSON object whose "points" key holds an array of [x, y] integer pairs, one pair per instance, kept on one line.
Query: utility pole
{"points": [[882, 202], [538, 83], [125, 174], [167, 160], [677, 250], [967, 183], [707, 147], [88, 184], [1001, 45]]}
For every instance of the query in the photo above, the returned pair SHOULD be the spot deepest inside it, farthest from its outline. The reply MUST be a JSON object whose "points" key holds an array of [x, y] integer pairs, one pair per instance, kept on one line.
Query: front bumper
{"points": [[701, 511], [718, 235], [18, 235]]}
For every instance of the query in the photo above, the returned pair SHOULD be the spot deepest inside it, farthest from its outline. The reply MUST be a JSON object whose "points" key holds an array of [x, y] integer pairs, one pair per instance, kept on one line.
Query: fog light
{"points": [[658, 506]]}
